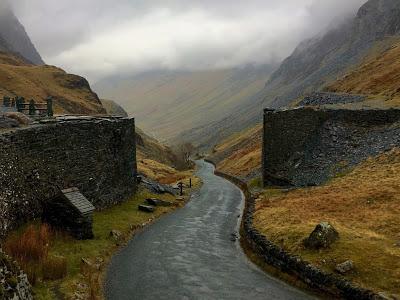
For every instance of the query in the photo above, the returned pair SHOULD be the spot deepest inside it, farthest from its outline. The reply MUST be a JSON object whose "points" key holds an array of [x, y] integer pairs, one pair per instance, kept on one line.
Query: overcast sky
{"points": [[99, 38]]}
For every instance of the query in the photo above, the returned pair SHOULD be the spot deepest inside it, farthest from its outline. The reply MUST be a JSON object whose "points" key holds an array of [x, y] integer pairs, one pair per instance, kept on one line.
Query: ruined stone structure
{"points": [[95, 155], [307, 146]]}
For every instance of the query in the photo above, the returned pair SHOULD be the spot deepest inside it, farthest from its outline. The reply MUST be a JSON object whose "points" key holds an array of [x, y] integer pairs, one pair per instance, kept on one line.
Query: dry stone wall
{"points": [[96, 155], [307, 146]]}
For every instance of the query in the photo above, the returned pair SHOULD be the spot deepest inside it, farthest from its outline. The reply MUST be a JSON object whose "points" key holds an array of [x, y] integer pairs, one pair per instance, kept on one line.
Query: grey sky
{"points": [[98, 38]]}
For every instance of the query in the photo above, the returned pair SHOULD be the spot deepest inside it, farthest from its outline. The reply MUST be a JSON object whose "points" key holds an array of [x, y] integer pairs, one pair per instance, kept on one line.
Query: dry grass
{"points": [[163, 173], [378, 76], [38, 82], [240, 154], [30, 248], [363, 205]]}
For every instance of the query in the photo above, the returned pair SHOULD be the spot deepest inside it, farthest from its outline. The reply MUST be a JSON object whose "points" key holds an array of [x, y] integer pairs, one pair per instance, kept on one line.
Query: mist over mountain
{"points": [[320, 60], [314, 64], [13, 37]]}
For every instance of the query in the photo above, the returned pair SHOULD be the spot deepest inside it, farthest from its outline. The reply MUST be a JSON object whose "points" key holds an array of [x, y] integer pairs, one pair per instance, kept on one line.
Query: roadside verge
{"points": [[283, 261]]}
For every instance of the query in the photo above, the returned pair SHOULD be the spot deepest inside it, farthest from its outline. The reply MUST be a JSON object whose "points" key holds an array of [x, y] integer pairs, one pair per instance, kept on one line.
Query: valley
{"points": [[138, 154]]}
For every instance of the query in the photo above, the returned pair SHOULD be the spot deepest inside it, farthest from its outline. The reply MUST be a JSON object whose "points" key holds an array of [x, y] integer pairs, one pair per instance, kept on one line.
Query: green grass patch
{"points": [[87, 278]]}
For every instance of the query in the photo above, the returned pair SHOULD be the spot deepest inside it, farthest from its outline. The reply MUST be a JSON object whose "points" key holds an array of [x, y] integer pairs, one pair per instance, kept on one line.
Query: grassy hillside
{"points": [[72, 94], [168, 103], [378, 77], [363, 205], [240, 154]]}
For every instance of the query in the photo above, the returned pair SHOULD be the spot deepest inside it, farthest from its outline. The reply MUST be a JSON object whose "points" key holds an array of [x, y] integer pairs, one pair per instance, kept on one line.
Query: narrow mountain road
{"points": [[189, 254]]}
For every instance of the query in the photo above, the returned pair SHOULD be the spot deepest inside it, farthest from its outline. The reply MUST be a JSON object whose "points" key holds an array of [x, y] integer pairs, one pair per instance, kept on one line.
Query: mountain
{"points": [[378, 78], [317, 62], [72, 94], [360, 57], [13, 37], [314, 65], [167, 103]]}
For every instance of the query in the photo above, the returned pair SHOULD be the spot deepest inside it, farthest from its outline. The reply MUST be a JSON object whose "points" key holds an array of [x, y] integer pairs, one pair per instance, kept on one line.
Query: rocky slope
{"points": [[167, 103], [13, 37], [378, 78]]}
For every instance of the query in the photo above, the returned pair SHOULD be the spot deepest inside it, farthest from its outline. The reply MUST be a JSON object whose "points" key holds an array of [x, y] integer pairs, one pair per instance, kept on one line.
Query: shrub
{"points": [[31, 250]]}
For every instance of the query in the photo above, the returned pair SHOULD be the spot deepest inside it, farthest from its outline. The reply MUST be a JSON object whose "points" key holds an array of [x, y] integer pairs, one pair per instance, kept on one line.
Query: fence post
{"points": [[20, 101], [6, 101], [50, 106], [32, 108]]}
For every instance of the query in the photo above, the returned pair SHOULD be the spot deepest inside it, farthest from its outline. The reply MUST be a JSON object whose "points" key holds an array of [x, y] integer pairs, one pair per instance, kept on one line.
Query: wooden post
{"points": [[190, 182], [180, 185], [6, 101], [50, 112], [32, 108], [19, 102]]}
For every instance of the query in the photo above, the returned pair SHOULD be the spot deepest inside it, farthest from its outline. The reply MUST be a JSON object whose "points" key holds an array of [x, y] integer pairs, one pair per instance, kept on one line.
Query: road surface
{"points": [[189, 254]]}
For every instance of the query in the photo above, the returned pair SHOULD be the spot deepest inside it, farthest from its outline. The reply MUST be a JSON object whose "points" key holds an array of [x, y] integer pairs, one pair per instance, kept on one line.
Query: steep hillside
{"points": [[322, 59], [168, 103], [72, 94], [13, 37], [113, 108], [240, 154], [378, 77]]}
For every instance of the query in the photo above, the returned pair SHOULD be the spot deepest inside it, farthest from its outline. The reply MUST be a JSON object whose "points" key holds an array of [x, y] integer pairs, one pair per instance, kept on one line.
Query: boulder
{"points": [[6, 122], [158, 202], [322, 237], [146, 208], [21, 118], [116, 234], [345, 267]]}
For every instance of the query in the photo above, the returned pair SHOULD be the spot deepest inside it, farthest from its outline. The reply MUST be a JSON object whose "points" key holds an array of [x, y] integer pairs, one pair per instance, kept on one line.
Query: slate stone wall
{"points": [[307, 146], [96, 155]]}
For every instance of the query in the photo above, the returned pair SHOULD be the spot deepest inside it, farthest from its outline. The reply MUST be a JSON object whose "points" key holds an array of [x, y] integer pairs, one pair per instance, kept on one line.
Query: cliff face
{"points": [[320, 60], [13, 37]]}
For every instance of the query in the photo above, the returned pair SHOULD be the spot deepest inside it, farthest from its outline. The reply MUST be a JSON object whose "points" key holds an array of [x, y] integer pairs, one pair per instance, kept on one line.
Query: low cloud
{"points": [[100, 38]]}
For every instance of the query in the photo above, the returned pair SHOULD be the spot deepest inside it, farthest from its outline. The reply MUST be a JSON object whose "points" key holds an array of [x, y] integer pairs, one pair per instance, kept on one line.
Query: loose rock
{"points": [[146, 208], [345, 267], [322, 236], [116, 234], [158, 202]]}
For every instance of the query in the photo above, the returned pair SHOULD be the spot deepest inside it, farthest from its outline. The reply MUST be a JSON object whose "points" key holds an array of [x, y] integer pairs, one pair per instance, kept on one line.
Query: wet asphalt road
{"points": [[189, 254]]}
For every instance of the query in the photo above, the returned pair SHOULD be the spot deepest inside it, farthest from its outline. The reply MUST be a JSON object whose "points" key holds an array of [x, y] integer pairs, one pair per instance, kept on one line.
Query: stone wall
{"points": [[14, 283], [307, 146], [96, 155], [273, 255]]}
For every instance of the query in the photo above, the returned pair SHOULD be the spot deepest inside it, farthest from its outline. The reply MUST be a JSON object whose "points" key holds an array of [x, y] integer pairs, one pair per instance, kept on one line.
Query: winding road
{"points": [[189, 254]]}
